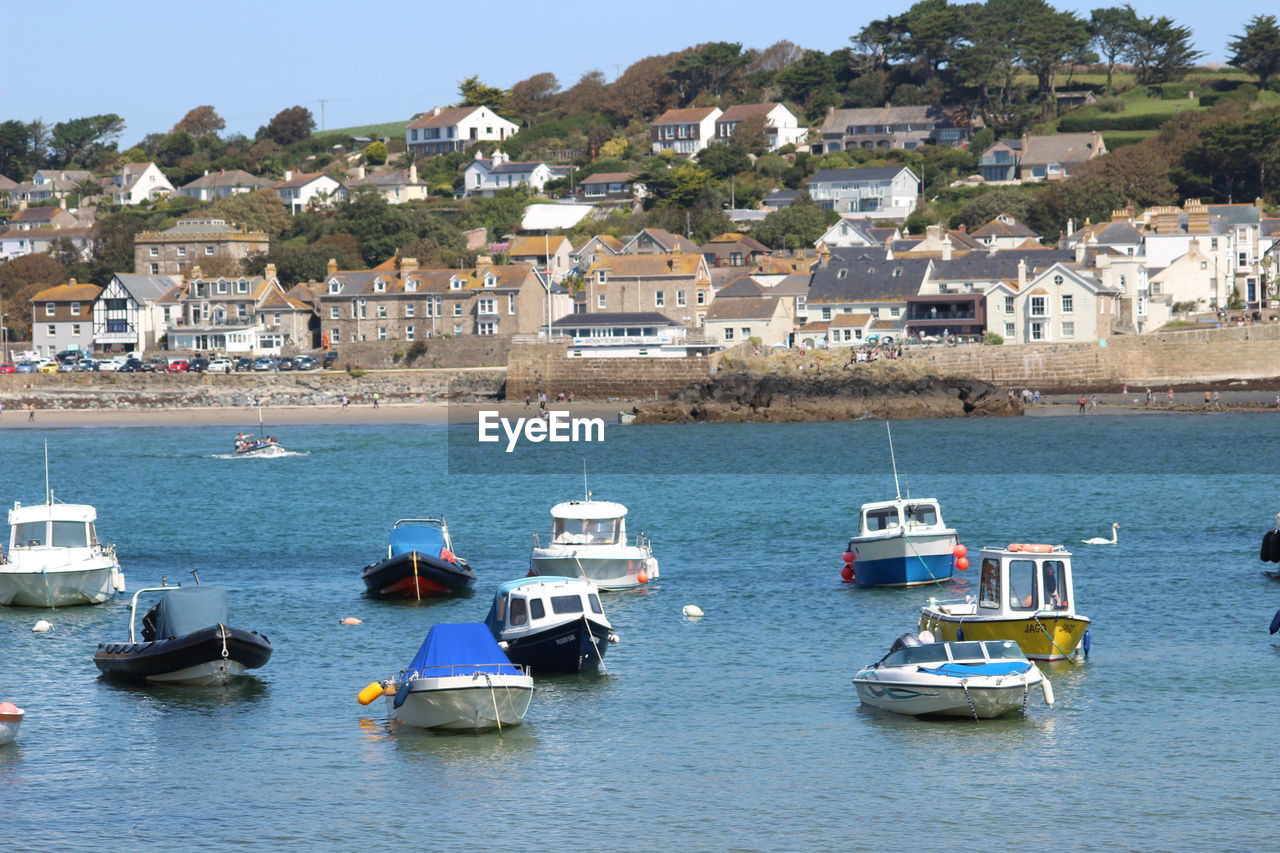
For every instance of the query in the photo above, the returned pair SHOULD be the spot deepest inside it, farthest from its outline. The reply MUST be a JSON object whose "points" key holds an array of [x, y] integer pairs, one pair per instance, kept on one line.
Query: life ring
{"points": [[1031, 549]]}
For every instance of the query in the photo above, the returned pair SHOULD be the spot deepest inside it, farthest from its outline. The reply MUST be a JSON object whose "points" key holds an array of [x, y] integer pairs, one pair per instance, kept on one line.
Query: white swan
{"points": [[1099, 540]]}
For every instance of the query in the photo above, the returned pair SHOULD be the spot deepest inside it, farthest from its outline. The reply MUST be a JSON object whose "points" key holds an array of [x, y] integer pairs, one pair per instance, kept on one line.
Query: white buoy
{"points": [[692, 610], [351, 620], [42, 627]]}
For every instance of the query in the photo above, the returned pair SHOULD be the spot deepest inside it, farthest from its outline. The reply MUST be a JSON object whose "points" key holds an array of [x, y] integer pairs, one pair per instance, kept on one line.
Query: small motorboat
{"points": [[10, 719], [420, 563], [551, 624], [459, 680], [979, 679], [589, 540], [1025, 594], [55, 558], [185, 640], [258, 445]]}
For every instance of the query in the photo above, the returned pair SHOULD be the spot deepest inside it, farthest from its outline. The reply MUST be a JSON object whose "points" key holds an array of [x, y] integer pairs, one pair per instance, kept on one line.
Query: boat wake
{"points": [[251, 456]]}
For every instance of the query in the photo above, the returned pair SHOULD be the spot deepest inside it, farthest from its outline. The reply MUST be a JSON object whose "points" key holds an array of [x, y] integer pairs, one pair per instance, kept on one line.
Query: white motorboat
{"points": [[259, 445], [589, 540], [979, 679], [55, 558], [551, 624], [460, 680], [10, 719]]}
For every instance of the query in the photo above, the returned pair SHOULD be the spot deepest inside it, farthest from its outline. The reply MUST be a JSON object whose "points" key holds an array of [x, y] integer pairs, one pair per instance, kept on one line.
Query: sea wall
{"points": [[1196, 355], [147, 390], [548, 367], [463, 351]]}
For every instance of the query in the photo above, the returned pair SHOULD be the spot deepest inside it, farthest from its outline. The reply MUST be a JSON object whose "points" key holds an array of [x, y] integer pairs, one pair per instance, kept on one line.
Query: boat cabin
{"points": [[52, 526], [904, 515], [1021, 580], [588, 523], [956, 652], [535, 603]]}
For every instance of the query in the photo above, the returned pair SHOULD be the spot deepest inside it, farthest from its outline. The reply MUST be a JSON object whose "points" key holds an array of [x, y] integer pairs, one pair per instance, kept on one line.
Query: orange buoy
{"points": [[959, 550], [962, 563], [1031, 548], [847, 573], [642, 578], [371, 691]]}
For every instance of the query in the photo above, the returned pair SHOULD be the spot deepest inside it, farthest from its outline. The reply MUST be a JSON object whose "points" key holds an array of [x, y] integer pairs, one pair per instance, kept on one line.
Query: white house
{"points": [[875, 192], [139, 182], [126, 316], [440, 131], [48, 184], [316, 189], [686, 131], [781, 126], [1064, 304], [737, 319], [394, 185], [846, 233], [485, 177]]}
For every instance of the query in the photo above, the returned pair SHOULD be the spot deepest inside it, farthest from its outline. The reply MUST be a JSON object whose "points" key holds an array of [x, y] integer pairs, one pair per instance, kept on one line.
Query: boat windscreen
{"points": [[586, 531], [422, 538], [70, 534], [190, 608], [1004, 649], [460, 649], [966, 651], [566, 603], [926, 514], [913, 655], [30, 534], [881, 519]]}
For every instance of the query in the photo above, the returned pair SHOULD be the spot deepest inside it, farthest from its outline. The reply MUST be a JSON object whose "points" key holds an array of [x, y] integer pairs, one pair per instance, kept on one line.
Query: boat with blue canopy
{"points": [[460, 679], [420, 563]]}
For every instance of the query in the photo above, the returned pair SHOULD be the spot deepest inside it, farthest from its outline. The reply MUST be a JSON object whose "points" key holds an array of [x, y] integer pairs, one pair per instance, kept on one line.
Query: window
{"points": [[601, 276], [242, 286], [154, 251], [894, 312], [457, 309], [335, 334], [875, 313], [75, 309], [408, 309], [1068, 303], [334, 287], [728, 333], [117, 326], [382, 333], [455, 283], [922, 514], [826, 313], [379, 286], [1213, 242], [242, 311], [49, 309], [511, 304], [659, 299], [880, 519], [1022, 585], [488, 327], [519, 612], [601, 301], [486, 306], [680, 299], [702, 297], [1057, 279], [1053, 574], [382, 312], [735, 259], [1037, 331], [566, 604], [746, 332], [208, 250], [1068, 330], [989, 586], [222, 287], [408, 333], [75, 329], [182, 251], [53, 330], [1009, 330], [1008, 305], [1037, 306], [155, 269], [457, 328]]}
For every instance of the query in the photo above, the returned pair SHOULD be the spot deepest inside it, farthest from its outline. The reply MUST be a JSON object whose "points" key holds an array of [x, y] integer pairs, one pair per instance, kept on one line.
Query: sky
{"points": [[151, 61]]}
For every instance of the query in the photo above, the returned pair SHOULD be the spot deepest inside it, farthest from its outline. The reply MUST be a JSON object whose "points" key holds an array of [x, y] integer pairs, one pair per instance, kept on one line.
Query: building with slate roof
{"points": [[738, 319], [685, 131], [884, 128], [192, 242], [781, 126], [485, 176], [442, 130], [1004, 232], [848, 281], [677, 285], [239, 315], [62, 318], [127, 316], [396, 186], [222, 183], [875, 192]]}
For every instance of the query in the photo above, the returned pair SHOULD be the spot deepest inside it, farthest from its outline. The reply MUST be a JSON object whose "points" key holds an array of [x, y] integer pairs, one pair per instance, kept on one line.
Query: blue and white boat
{"points": [[551, 624], [901, 542]]}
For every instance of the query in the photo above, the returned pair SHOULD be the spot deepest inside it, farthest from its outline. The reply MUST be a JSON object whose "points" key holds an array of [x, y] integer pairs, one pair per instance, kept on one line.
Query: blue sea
{"points": [[739, 731]]}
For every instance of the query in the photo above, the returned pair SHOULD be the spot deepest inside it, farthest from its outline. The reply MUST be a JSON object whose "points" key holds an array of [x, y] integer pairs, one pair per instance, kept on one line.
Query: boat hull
{"points": [[415, 575], [621, 570], [472, 703], [195, 658], [950, 701], [9, 725], [903, 560], [57, 587], [576, 646], [261, 451], [1046, 638]]}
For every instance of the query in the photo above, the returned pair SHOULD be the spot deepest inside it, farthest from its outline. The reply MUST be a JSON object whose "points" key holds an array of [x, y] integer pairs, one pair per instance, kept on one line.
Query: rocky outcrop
{"points": [[850, 393]]}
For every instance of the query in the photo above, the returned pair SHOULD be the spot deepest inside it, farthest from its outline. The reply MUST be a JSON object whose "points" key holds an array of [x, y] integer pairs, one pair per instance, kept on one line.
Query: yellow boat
{"points": [[1024, 594]]}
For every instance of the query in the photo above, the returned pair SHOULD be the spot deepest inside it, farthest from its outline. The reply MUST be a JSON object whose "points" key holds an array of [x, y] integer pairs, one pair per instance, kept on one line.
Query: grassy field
{"points": [[390, 129]]}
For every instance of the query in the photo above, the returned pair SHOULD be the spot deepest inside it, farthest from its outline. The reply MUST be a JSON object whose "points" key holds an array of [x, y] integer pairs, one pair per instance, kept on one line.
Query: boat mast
{"points": [[893, 460], [48, 492], [585, 490]]}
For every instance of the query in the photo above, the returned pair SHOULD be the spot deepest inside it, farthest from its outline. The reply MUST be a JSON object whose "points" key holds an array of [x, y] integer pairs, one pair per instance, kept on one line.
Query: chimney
{"points": [[1121, 215], [288, 174], [206, 173], [933, 233], [946, 247], [1071, 226], [408, 266], [1197, 216], [1166, 220], [359, 170], [435, 111], [413, 173], [1022, 273], [196, 272], [331, 268], [1193, 247], [71, 282], [824, 255], [62, 202], [270, 271], [1081, 247]]}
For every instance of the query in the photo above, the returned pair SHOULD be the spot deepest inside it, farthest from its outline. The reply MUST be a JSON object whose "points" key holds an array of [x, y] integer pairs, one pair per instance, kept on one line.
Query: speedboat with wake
{"points": [[185, 639], [459, 680], [420, 563], [589, 541], [551, 624], [258, 445], [967, 679], [55, 558], [1025, 593]]}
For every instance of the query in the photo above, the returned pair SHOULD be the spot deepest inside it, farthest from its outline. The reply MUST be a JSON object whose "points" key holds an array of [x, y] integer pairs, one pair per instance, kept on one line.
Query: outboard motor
{"points": [[904, 642]]}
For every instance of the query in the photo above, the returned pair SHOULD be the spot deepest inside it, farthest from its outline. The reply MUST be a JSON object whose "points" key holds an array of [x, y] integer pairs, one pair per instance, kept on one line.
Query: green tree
{"points": [[15, 149], [375, 153], [288, 126], [980, 210], [262, 210], [1113, 31], [709, 69], [534, 95], [687, 183], [1161, 50], [723, 159], [796, 227], [200, 121], [474, 93], [83, 141], [1049, 39], [1257, 50]]}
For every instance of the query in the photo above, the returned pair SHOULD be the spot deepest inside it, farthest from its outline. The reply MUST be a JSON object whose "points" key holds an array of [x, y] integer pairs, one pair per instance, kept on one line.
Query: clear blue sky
{"points": [[152, 61]]}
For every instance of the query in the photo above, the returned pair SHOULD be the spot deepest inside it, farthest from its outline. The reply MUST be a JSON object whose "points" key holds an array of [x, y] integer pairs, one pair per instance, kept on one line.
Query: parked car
{"points": [[110, 366], [27, 367], [178, 365], [220, 365], [243, 363], [288, 363], [132, 365], [49, 367], [329, 358], [306, 362], [8, 367], [199, 364], [86, 365], [264, 362], [156, 365], [71, 355]]}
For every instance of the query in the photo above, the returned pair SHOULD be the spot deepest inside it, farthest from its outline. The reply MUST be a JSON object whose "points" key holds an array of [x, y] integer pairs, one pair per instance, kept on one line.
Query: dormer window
{"points": [[334, 286], [379, 286], [490, 280], [897, 272], [455, 283], [410, 285], [601, 276], [842, 273], [242, 286]]}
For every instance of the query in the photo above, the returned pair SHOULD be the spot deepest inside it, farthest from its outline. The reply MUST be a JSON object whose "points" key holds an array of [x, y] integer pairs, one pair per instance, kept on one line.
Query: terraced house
{"points": [[62, 318], [240, 315], [193, 242], [397, 301], [677, 285]]}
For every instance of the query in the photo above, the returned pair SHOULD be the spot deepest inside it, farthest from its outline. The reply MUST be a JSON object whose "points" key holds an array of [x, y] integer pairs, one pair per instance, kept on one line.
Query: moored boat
{"points": [[55, 558], [11, 717], [551, 624], [420, 563], [589, 541], [902, 542], [979, 679], [459, 680], [1025, 594], [185, 639]]}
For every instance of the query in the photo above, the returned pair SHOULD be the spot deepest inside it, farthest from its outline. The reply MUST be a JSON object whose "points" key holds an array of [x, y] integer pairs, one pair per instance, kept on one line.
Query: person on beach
{"points": [[1035, 396], [346, 401], [1149, 397], [1170, 395], [375, 399], [1124, 389], [1277, 403], [31, 412], [1207, 398], [1082, 402], [1093, 403], [1216, 404], [569, 397], [1, 410], [527, 401]]}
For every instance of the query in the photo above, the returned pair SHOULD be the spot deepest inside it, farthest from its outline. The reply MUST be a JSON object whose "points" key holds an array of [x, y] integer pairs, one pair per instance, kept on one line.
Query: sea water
{"points": [[736, 731]]}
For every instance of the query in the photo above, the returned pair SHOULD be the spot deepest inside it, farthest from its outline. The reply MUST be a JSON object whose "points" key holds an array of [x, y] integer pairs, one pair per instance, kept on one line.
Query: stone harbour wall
{"points": [[548, 367]]}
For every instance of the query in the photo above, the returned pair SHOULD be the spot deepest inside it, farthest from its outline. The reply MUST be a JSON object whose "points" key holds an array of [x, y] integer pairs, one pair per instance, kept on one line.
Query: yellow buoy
{"points": [[371, 691]]}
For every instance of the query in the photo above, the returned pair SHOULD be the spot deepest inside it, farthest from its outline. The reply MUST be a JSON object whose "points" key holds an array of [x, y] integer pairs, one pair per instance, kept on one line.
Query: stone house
{"points": [[601, 245], [192, 242], [657, 241], [62, 318], [223, 183], [781, 126], [127, 316], [685, 131], [239, 315], [875, 192], [550, 254], [442, 130], [889, 127], [677, 285], [738, 319], [732, 249]]}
